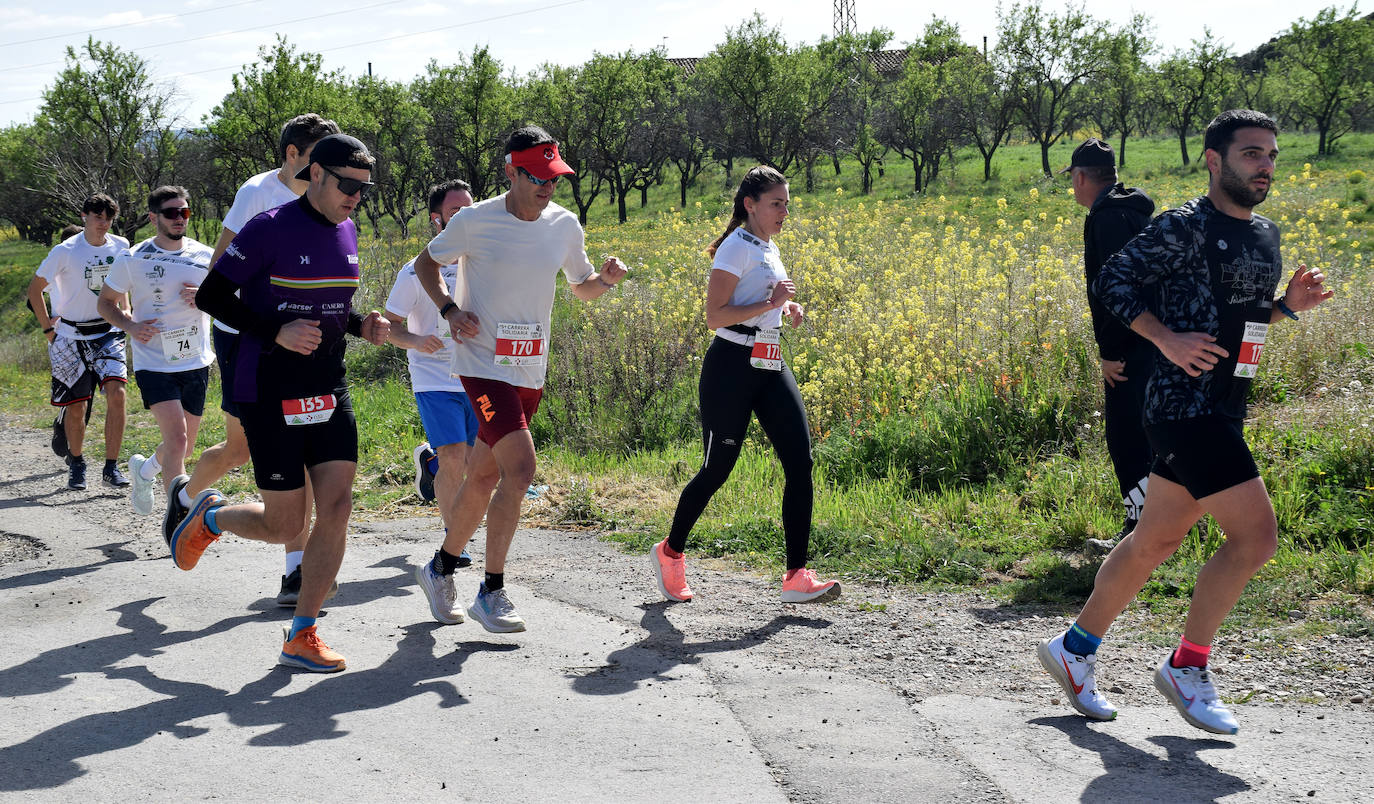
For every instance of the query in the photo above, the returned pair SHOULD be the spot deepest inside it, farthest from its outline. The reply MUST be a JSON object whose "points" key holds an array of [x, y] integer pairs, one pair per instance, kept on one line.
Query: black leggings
{"points": [[730, 391], [1126, 442]]}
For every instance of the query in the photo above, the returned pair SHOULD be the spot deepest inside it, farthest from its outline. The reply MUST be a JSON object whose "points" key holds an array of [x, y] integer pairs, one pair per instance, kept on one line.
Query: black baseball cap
{"points": [[1092, 153], [338, 150]]}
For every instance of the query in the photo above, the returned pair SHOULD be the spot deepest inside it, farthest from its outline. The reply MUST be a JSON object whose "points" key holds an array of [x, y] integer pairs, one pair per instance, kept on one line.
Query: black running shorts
{"points": [[1204, 455], [281, 452]]}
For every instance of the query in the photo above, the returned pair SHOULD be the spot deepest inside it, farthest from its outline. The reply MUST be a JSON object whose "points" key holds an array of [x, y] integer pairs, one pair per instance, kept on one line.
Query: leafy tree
{"points": [[983, 108], [551, 98], [850, 76], [106, 126], [246, 125], [919, 120], [23, 202], [1120, 88], [1192, 83], [395, 133], [1328, 67], [688, 124], [473, 109], [1044, 58]]}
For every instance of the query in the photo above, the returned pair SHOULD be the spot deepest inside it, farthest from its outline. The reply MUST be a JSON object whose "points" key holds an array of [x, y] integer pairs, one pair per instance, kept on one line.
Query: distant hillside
{"points": [[1255, 60]]}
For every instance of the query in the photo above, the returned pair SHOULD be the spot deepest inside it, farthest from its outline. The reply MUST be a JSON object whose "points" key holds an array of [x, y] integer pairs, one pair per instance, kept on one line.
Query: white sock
{"points": [[150, 468], [293, 560], [184, 498]]}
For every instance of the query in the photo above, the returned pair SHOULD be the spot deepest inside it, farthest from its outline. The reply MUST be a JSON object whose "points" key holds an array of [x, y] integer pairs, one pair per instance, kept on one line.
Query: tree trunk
{"points": [[682, 189], [1045, 158], [987, 165], [866, 182], [1183, 144], [835, 157], [643, 196], [1121, 152], [811, 175], [1322, 128], [729, 170], [916, 168]]}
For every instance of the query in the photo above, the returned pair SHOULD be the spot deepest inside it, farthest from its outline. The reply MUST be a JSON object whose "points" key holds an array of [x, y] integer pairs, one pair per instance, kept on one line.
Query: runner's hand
{"points": [[145, 331], [188, 294], [431, 344], [794, 312], [1113, 372], [782, 291], [613, 270], [300, 335], [462, 324], [1305, 290], [1194, 352], [375, 328]]}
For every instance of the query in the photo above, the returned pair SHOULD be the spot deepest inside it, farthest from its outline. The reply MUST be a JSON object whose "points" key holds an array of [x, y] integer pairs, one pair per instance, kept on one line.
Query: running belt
{"points": [[97, 326]]}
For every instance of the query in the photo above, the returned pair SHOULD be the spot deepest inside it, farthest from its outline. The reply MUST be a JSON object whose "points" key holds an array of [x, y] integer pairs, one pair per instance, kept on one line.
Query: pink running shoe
{"points": [[671, 574], [802, 586]]}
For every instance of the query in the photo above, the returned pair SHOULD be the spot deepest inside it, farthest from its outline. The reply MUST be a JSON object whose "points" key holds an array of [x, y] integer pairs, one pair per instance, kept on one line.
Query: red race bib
{"points": [[308, 410]]}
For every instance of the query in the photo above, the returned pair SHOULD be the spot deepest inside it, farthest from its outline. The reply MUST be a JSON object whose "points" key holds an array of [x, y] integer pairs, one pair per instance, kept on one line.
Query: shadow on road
{"points": [[50, 759], [1133, 775], [653, 657], [114, 553]]}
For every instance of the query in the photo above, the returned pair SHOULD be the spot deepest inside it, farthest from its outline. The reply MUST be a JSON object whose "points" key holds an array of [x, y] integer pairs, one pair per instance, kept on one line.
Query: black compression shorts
{"points": [[282, 452], [1205, 455]]}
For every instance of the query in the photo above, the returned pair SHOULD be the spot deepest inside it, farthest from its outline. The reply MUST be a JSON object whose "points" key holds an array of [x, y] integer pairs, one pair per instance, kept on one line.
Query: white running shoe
{"points": [[1192, 693], [140, 491], [495, 611], [443, 597], [1077, 675]]}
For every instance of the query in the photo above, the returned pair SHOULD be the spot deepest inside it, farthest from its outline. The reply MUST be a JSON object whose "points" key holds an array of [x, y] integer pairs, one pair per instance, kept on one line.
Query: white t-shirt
{"points": [[509, 278], [257, 195], [428, 372], [153, 278], [75, 271], [759, 268]]}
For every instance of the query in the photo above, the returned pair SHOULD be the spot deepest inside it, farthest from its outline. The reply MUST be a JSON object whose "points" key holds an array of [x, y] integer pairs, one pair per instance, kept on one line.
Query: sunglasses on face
{"points": [[535, 181], [172, 213], [349, 186]]}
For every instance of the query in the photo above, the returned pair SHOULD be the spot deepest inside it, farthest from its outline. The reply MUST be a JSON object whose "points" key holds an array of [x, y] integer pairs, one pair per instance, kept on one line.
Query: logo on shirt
{"points": [[233, 251], [334, 307], [1221, 244], [156, 272], [352, 259], [305, 259]]}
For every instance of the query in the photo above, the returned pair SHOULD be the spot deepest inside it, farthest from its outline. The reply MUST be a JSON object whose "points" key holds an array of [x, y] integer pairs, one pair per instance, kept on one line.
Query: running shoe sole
{"points": [[300, 662], [789, 596], [1061, 676], [1168, 691], [476, 615], [658, 578], [189, 528]]}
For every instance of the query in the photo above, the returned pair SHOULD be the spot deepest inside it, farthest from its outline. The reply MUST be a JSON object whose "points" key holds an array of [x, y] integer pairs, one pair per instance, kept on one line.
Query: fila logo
{"points": [[484, 408], [305, 260]]}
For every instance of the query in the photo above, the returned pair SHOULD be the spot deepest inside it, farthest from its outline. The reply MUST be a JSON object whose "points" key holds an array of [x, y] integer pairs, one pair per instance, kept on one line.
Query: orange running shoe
{"points": [[192, 536], [308, 652], [802, 586], [671, 574]]}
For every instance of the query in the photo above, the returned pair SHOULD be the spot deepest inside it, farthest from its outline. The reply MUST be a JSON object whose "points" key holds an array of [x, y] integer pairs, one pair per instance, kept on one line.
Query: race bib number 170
{"points": [[519, 345], [766, 355]]}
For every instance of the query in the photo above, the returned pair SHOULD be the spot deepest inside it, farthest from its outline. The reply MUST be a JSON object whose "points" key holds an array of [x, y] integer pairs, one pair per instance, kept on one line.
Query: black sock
{"points": [[444, 562], [109, 464], [495, 580]]}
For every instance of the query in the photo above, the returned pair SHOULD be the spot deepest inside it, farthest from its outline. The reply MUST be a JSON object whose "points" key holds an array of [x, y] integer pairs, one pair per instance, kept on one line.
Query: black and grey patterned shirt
{"points": [[1214, 274]]}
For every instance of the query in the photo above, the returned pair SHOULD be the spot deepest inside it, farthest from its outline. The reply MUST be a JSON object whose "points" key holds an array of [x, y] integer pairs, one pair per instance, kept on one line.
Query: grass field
{"points": [[949, 375]]}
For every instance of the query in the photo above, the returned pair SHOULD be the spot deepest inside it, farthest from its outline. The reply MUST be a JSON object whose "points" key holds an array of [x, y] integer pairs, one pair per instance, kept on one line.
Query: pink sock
{"points": [[670, 552], [1190, 654]]}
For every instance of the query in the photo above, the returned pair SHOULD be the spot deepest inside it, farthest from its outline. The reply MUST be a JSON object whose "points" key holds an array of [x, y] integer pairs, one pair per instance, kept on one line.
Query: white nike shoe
{"points": [[1077, 675], [1192, 693]]}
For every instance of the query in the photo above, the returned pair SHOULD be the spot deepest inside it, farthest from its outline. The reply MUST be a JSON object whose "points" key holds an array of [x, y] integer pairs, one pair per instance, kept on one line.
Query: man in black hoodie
{"points": [[1116, 214]]}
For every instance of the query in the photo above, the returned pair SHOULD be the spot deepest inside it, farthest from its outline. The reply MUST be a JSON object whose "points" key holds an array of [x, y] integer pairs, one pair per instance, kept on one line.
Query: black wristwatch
{"points": [[443, 311]]}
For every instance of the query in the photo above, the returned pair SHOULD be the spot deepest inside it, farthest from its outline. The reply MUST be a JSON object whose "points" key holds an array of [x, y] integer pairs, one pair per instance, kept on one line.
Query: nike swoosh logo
{"points": [[1077, 688], [1186, 699]]}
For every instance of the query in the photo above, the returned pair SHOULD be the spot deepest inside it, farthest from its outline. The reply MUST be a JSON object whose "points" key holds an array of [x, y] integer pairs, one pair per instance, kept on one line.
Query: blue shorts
{"points": [[447, 417]]}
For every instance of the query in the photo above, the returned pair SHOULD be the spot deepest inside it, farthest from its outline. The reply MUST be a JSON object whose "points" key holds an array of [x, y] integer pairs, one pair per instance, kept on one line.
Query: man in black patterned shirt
{"points": [[1215, 266]]}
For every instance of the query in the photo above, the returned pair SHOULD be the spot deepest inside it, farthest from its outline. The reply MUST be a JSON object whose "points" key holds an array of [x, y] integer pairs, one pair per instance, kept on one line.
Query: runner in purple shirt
{"points": [[296, 269]]}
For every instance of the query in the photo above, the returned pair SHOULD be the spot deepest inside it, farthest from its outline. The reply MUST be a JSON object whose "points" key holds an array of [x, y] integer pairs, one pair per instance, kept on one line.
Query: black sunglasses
{"points": [[538, 182], [172, 213], [349, 186]]}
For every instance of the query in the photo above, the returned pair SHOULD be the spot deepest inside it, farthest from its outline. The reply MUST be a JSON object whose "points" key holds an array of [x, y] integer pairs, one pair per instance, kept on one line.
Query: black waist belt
{"points": [[97, 327], [743, 330]]}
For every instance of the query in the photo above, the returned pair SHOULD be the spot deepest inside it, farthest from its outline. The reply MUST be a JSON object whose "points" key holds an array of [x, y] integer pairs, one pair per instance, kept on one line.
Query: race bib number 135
{"points": [[308, 410]]}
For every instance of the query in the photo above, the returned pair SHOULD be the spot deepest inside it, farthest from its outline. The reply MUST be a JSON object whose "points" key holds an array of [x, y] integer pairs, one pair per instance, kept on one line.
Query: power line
{"points": [[148, 21], [365, 42]]}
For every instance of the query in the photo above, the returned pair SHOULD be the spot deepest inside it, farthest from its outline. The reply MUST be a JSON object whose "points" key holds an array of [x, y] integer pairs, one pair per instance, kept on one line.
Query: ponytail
{"points": [[759, 180]]}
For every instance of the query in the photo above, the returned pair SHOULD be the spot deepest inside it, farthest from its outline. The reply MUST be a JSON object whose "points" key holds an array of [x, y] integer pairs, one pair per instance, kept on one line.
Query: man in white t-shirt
{"points": [[267, 190], [170, 338], [512, 247], [84, 351], [445, 411]]}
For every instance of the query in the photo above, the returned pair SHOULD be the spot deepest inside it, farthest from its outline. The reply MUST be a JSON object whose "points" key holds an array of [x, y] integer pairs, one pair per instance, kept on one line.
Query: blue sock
{"points": [[1079, 641], [210, 521], [298, 623], [433, 464]]}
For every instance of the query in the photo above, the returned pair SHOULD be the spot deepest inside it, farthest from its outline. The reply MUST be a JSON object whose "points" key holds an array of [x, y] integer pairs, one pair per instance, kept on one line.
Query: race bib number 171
{"points": [[1251, 347]]}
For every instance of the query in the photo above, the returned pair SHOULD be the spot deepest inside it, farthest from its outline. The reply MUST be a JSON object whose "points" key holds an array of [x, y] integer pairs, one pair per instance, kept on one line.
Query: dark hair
{"points": [[527, 137], [100, 202], [303, 131], [164, 194], [1099, 174], [1222, 130], [440, 191], [70, 230], [759, 180]]}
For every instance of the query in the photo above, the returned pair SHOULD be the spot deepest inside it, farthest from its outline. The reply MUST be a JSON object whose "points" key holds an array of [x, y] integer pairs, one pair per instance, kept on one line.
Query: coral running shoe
{"points": [[193, 535], [1192, 693], [802, 586], [308, 652], [1077, 676], [671, 574]]}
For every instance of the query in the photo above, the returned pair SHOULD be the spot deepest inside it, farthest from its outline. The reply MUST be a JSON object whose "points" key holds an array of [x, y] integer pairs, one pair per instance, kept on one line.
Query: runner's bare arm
{"points": [[400, 335], [108, 305], [721, 313], [612, 271], [1305, 291], [226, 236], [40, 307]]}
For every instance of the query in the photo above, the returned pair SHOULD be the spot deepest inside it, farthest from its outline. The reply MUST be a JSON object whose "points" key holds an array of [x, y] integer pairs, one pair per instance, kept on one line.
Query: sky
{"points": [[197, 45]]}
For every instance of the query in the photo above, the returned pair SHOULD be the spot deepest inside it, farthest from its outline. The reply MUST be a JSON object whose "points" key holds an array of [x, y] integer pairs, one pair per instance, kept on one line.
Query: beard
{"points": [[1239, 190]]}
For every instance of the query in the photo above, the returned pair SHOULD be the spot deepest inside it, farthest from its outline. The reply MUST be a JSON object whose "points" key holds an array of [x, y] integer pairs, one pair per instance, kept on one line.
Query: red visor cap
{"points": [[542, 161]]}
